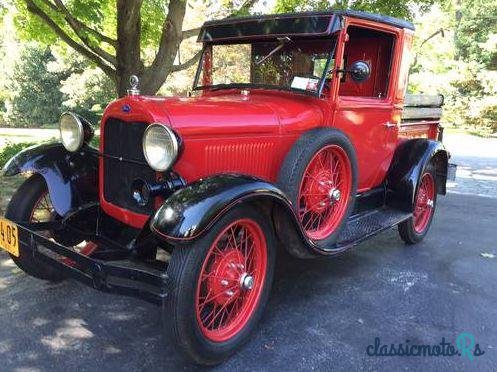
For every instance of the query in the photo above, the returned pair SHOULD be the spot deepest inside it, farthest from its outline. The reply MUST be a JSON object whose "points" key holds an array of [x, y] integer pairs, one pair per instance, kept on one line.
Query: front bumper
{"points": [[125, 277]]}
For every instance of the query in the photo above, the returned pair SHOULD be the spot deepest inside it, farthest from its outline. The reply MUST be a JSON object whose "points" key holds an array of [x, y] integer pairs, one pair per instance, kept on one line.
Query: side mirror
{"points": [[360, 71]]}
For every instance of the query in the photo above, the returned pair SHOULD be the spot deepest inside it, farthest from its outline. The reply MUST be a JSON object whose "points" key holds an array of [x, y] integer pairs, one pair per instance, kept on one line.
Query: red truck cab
{"points": [[299, 133]]}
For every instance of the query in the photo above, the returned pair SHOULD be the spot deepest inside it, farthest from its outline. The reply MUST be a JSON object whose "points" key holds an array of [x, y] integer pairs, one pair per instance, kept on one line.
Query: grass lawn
{"points": [[20, 136], [8, 185]]}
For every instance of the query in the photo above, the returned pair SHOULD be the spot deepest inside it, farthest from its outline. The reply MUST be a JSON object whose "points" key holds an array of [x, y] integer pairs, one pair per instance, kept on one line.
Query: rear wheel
{"points": [[221, 285], [414, 229], [31, 203]]}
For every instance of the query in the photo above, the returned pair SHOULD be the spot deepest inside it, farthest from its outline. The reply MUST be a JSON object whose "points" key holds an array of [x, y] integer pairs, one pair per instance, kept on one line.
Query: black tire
{"points": [[184, 269], [406, 229], [296, 162], [19, 209]]}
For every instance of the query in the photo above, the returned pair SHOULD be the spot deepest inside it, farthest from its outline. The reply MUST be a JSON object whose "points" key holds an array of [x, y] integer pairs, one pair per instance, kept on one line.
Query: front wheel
{"points": [[221, 284], [414, 229], [31, 203]]}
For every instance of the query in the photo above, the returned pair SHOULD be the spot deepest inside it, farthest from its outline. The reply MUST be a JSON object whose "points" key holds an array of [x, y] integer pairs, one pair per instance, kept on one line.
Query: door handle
{"points": [[389, 125]]}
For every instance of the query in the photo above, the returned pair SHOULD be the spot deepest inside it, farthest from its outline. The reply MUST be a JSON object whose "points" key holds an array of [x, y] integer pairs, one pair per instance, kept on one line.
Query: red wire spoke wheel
{"points": [[423, 209], [221, 284], [324, 192], [44, 211], [414, 229], [231, 280], [319, 176], [31, 202]]}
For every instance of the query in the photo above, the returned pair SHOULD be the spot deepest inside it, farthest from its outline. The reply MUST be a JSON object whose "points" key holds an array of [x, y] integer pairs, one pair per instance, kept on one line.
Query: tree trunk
{"points": [[128, 43], [172, 34]]}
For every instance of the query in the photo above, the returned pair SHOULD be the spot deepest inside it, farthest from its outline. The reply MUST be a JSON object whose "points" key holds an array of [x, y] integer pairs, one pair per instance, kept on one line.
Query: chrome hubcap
{"points": [[246, 282], [334, 194]]}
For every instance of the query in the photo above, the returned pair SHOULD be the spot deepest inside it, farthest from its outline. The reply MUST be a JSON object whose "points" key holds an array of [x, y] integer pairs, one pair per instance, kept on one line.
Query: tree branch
{"points": [[170, 40], [245, 7], [76, 26], [99, 35], [80, 24], [416, 56], [190, 33], [37, 11], [188, 63]]}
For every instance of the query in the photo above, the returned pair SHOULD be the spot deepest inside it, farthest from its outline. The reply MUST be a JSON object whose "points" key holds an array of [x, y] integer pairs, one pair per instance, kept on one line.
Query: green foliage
{"points": [[11, 149], [476, 32], [87, 93], [97, 14], [95, 142], [37, 98], [86, 89], [44, 84], [459, 65], [405, 9]]}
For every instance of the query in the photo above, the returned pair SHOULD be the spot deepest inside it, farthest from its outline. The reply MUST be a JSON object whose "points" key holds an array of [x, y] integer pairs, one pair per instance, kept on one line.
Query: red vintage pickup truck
{"points": [[299, 135]]}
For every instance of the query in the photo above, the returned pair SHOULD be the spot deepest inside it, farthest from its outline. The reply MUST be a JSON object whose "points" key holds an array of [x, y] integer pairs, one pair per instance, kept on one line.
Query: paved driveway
{"points": [[477, 164], [322, 314]]}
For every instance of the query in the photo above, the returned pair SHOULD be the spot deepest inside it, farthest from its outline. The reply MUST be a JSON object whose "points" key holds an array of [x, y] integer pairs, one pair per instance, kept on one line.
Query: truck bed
{"points": [[421, 116]]}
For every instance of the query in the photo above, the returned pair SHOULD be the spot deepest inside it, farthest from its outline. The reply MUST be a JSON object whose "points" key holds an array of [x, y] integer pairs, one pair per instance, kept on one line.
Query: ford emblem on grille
{"points": [[126, 108]]}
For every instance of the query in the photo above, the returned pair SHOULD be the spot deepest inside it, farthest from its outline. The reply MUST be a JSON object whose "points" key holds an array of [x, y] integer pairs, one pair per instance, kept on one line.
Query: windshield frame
{"points": [[334, 42]]}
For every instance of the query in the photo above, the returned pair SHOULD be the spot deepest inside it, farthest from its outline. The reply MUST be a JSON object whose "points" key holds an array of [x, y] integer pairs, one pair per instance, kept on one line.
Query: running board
{"points": [[363, 226]]}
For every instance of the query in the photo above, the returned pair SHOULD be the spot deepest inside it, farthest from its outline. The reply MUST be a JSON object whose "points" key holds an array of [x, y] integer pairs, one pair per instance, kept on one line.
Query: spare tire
{"points": [[319, 175]]}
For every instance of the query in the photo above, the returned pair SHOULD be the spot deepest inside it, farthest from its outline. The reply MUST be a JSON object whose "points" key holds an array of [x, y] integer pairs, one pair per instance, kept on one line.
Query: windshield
{"points": [[282, 64]]}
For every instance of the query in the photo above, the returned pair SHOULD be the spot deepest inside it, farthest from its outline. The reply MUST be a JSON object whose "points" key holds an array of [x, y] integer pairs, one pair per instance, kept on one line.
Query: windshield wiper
{"points": [[283, 41]]}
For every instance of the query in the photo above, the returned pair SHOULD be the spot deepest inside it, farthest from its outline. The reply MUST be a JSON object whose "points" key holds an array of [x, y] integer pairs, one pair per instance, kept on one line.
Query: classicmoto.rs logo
{"points": [[465, 346]]}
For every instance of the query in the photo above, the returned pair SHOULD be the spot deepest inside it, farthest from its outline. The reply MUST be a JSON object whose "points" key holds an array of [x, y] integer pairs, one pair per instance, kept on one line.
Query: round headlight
{"points": [[160, 147], [71, 132]]}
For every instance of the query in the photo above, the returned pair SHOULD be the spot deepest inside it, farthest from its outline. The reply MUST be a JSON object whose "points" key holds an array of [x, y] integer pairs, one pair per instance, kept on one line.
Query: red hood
{"points": [[224, 113]]}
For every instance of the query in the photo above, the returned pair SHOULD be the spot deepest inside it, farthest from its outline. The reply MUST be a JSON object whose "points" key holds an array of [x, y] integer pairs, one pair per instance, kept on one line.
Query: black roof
{"points": [[392, 21]]}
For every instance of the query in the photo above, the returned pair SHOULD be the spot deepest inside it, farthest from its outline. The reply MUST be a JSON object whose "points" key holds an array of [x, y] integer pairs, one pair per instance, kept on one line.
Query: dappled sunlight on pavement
{"points": [[476, 159], [70, 336]]}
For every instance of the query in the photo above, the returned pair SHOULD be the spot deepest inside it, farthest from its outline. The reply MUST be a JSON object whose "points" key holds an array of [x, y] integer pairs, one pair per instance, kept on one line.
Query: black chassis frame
{"points": [[196, 208], [115, 267]]}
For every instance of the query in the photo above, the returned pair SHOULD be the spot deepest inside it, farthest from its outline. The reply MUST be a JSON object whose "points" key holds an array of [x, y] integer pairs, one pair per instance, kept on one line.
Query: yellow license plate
{"points": [[9, 237]]}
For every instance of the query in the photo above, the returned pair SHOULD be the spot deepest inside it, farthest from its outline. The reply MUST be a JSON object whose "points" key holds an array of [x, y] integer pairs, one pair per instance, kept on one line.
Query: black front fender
{"points": [[188, 213], [72, 178], [409, 162]]}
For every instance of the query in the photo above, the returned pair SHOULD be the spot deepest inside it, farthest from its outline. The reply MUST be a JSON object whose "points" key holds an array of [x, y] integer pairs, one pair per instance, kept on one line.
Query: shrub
{"points": [[37, 99], [11, 149]]}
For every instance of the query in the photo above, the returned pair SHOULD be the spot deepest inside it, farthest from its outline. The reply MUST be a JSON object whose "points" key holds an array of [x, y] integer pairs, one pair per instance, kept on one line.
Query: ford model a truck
{"points": [[300, 135]]}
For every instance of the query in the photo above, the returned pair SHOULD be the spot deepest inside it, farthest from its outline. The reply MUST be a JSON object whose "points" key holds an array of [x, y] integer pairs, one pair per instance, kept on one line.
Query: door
{"points": [[365, 109]]}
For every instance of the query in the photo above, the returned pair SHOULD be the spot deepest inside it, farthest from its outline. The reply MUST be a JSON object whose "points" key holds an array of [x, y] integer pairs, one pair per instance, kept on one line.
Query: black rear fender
{"points": [[72, 178], [409, 162]]}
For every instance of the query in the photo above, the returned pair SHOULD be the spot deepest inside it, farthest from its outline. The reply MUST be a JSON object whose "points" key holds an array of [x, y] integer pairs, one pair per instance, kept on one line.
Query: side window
{"points": [[375, 48]]}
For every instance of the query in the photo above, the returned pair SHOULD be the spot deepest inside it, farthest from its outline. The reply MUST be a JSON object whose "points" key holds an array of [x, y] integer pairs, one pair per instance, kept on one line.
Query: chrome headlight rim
{"points": [[174, 140], [80, 131]]}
